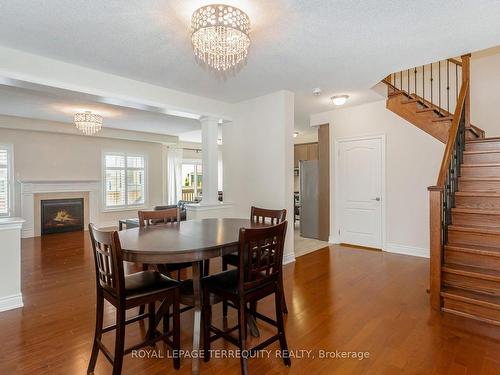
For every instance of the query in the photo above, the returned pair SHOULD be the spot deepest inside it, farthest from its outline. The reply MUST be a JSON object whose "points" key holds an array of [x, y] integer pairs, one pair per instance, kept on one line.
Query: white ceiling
{"points": [[53, 107], [342, 46]]}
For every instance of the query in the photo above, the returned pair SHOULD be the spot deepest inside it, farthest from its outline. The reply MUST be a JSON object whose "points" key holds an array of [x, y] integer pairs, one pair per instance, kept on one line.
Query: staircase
{"points": [[465, 202], [471, 265], [424, 96]]}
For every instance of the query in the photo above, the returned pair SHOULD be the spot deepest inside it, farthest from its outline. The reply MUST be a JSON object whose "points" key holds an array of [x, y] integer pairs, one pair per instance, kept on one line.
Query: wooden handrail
{"points": [[455, 61], [450, 145]]}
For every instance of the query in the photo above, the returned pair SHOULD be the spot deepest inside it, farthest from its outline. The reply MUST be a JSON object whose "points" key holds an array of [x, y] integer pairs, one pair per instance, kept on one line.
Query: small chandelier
{"points": [[220, 35], [89, 123]]}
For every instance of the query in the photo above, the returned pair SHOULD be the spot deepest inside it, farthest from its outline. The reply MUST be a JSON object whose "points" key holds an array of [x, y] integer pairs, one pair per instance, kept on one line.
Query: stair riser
{"points": [[471, 283], [482, 158], [480, 172], [471, 259], [479, 185], [477, 202], [482, 146], [465, 219], [484, 239], [472, 309]]}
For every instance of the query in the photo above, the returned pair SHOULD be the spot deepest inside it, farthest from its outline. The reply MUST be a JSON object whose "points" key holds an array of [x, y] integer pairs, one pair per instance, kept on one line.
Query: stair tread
{"points": [[489, 139], [426, 109], [482, 273], [485, 211], [472, 297], [480, 178], [485, 250], [479, 165], [475, 229], [482, 152], [478, 193], [445, 118]]}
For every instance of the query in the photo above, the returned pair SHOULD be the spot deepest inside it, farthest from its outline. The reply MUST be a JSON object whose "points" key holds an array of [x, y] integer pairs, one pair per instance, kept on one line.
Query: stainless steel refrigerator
{"points": [[309, 198]]}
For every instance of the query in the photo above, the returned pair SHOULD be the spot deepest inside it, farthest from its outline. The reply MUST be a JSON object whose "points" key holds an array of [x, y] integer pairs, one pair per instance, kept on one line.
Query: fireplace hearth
{"points": [[61, 215]]}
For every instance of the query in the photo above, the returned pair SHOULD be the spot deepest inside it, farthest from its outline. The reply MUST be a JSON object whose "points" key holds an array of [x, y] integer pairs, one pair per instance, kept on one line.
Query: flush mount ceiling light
{"points": [[339, 99], [220, 35], [88, 123]]}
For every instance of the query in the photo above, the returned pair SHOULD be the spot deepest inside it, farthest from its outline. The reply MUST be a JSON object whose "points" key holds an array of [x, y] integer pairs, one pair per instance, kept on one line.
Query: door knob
{"points": [[376, 199]]}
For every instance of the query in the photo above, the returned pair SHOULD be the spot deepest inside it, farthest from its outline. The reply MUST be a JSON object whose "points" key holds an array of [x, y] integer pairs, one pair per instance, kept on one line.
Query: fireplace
{"points": [[61, 215]]}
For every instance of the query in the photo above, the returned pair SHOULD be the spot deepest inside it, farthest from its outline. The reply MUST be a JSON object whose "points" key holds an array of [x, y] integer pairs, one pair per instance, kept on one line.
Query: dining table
{"points": [[191, 241]]}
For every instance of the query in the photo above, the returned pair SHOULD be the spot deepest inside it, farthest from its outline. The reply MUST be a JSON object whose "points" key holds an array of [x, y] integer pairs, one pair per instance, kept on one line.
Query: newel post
{"points": [[436, 244], [466, 77]]}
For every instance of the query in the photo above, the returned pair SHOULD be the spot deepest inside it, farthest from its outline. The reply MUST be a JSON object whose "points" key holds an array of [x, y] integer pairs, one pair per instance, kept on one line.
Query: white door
{"points": [[360, 192]]}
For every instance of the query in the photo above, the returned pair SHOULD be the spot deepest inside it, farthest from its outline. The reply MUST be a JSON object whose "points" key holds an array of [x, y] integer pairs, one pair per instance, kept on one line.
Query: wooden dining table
{"points": [[187, 241]]}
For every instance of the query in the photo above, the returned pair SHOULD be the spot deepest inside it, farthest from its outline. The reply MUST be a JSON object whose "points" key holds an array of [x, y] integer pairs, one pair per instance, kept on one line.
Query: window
{"points": [[5, 180], [125, 178], [191, 181]]}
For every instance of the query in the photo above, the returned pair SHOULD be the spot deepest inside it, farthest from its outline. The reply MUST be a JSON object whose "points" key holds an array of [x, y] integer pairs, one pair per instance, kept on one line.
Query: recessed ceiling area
{"points": [[33, 104], [344, 47]]}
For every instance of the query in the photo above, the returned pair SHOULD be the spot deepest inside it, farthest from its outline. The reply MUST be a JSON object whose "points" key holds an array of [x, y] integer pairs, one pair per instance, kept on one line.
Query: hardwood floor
{"points": [[338, 298]]}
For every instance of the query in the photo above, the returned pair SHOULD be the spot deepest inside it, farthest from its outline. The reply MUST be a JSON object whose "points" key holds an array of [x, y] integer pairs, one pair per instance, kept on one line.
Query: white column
{"points": [[209, 135], [10, 263]]}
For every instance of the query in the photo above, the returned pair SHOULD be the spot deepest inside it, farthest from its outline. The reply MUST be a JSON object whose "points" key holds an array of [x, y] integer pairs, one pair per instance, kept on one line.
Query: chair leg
{"points": [[242, 324], [283, 301], [97, 334], [119, 341], [207, 322], [151, 322], [176, 339], [281, 328], [224, 302], [166, 320], [142, 308]]}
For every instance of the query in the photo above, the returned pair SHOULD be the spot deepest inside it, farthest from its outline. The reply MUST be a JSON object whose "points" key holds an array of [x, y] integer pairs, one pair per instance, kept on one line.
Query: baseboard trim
{"points": [[288, 258], [333, 240], [395, 248], [14, 301]]}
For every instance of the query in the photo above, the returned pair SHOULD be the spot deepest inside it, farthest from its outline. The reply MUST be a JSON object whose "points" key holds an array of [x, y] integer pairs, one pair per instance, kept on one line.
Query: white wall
{"points": [[44, 156], [258, 157], [412, 161], [485, 100]]}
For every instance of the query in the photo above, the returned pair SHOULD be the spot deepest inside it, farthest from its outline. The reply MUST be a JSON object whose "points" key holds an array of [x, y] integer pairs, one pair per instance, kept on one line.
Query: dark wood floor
{"points": [[339, 298]]}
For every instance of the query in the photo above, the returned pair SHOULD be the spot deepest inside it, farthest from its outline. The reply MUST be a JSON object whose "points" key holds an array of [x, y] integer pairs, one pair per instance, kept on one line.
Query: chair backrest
{"points": [[264, 215], [260, 255], [108, 261], [169, 215]]}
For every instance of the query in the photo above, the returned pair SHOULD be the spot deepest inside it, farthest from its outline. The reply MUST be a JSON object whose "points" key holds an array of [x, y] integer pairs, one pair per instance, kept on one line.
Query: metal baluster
{"points": [[415, 76], [408, 80], [439, 88], [423, 83], [448, 85], [456, 82], [432, 79], [401, 80]]}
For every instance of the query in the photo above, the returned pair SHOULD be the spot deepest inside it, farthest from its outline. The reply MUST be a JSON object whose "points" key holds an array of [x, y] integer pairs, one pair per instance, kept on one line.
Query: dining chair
{"points": [[264, 216], [125, 292], [247, 284]]}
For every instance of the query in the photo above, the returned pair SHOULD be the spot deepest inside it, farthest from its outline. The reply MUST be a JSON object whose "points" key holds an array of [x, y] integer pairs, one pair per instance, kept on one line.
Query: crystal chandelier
{"points": [[89, 123], [220, 35]]}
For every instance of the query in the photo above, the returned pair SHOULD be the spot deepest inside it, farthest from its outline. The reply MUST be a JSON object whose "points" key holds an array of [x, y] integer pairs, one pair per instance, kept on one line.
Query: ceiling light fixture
{"points": [[339, 99], [88, 123], [220, 35]]}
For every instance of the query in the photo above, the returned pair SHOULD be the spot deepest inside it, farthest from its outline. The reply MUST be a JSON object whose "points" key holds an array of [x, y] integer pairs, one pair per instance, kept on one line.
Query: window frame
{"points": [[10, 179], [196, 163], [126, 206]]}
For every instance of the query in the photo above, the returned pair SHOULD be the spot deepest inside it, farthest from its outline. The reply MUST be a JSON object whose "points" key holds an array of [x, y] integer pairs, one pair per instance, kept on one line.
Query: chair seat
{"points": [[226, 281], [232, 259], [147, 282]]}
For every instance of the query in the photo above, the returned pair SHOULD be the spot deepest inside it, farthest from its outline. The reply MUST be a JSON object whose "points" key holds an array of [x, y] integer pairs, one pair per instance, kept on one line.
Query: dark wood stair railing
{"points": [[442, 195], [427, 96]]}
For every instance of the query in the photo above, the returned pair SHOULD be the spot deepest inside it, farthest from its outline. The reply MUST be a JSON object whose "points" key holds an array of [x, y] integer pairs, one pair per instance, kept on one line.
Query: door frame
{"points": [[336, 238]]}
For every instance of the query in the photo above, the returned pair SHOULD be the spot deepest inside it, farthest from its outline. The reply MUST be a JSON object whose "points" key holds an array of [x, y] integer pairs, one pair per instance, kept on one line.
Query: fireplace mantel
{"points": [[30, 188]]}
